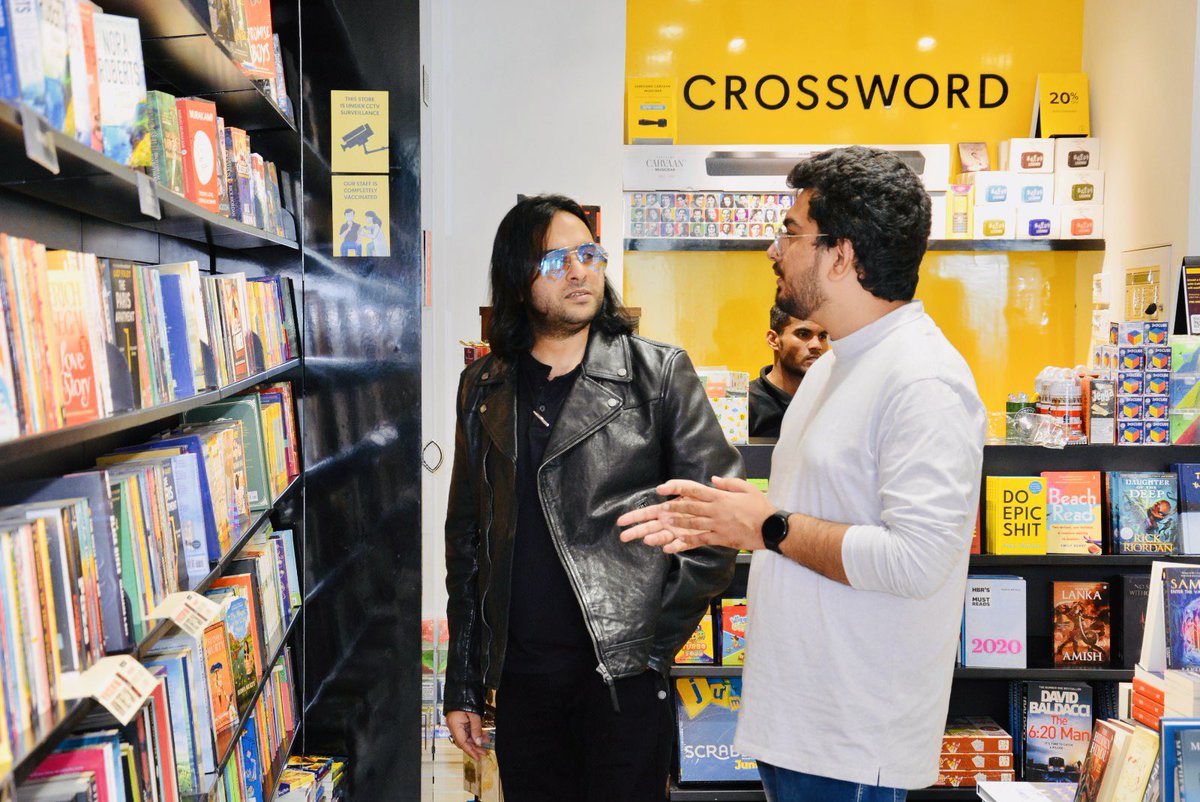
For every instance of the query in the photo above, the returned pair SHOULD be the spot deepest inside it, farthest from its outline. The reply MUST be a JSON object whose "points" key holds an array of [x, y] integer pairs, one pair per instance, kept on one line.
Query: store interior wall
{"points": [[525, 97], [1141, 65]]}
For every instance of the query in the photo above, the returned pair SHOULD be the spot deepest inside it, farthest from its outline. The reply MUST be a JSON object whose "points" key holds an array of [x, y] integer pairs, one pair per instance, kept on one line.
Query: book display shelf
{"points": [[985, 691], [96, 205]]}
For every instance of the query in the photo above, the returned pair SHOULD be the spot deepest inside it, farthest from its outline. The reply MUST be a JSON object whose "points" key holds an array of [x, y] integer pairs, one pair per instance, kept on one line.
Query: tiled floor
{"points": [[442, 774]]}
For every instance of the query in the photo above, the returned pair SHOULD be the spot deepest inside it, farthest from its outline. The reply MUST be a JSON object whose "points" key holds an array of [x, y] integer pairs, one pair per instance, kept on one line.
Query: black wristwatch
{"points": [[775, 529]]}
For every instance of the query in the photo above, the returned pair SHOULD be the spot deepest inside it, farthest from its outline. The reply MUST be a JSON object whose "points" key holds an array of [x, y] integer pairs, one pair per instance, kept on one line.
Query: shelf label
{"points": [[39, 147], [121, 684], [148, 196], [190, 611]]}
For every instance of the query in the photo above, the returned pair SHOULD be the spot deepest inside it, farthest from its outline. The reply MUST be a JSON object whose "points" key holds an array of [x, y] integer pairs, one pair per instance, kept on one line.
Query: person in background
{"points": [[796, 345], [862, 545], [569, 421]]}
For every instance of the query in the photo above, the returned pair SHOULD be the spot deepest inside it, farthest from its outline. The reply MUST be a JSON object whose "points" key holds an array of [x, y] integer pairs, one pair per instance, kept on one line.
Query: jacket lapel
{"points": [[591, 404], [498, 410]]}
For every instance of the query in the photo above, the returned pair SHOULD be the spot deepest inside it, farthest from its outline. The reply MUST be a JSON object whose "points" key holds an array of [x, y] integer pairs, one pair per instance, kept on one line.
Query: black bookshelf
{"points": [[271, 790], [935, 245], [72, 714], [183, 57], [22, 448], [90, 182], [1077, 560], [718, 794]]}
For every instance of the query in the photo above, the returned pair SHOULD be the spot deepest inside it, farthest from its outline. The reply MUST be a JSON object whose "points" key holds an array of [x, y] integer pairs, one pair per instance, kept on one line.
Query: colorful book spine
{"points": [[167, 162], [56, 64], [10, 85], [122, 76], [26, 34]]}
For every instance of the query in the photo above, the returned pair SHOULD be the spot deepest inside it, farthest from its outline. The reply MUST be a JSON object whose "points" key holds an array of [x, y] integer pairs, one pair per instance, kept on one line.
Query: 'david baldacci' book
{"points": [[1082, 624], [1181, 609], [1057, 728], [1144, 509]]}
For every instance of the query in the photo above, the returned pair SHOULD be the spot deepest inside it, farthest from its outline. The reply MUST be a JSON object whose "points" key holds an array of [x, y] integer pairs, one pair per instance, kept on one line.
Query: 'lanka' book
{"points": [[1082, 624]]}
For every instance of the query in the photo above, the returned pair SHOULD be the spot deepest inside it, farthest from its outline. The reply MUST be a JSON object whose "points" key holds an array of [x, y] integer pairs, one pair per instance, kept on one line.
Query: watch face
{"points": [[774, 529]]}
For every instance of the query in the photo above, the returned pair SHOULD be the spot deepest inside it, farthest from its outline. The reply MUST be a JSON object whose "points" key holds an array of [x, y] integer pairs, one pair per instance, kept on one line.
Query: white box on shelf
{"points": [[937, 215], [1027, 155], [1032, 188], [995, 221], [1081, 221], [993, 633], [1079, 186], [1077, 153], [991, 186], [1038, 221]]}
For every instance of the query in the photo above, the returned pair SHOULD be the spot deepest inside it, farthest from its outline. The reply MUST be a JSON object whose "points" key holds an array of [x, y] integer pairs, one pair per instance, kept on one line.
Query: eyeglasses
{"points": [[554, 263], [783, 235]]}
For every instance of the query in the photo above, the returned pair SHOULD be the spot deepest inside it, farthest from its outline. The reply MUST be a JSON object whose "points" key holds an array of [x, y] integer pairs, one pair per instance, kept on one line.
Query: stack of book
{"points": [[975, 749], [83, 70], [309, 779], [84, 338], [1122, 761]]}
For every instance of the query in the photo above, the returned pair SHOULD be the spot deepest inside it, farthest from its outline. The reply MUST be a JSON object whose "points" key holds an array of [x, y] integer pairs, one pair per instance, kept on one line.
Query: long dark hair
{"points": [[516, 253]]}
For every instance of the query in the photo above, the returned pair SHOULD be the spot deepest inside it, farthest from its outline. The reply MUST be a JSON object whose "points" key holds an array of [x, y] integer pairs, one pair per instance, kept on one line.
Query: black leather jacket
{"points": [[636, 416]]}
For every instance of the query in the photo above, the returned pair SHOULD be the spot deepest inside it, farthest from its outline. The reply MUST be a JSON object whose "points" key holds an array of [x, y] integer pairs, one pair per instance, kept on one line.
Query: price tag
{"points": [[148, 196], [121, 684], [39, 146], [1061, 105], [190, 611]]}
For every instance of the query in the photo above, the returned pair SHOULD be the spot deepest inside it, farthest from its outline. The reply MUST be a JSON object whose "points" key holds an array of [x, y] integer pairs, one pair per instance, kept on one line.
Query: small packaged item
{"points": [[1158, 357], [1129, 332], [1131, 382], [960, 202], [1131, 432], [1157, 332], [1157, 432], [1131, 357], [995, 221], [1024, 155], [1157, 382], [1079, 186], [1082, 221], [1076, 153], [1130, 408], [1156, 407]]}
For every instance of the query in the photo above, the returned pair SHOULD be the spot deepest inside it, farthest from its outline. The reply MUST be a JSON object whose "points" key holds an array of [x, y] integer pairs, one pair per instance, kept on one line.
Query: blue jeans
{"points": [[784, 785]]}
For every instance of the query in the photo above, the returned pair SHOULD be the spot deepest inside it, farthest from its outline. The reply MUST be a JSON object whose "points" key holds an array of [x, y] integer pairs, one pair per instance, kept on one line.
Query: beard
{"points": [[558, 324], [802, 299]]}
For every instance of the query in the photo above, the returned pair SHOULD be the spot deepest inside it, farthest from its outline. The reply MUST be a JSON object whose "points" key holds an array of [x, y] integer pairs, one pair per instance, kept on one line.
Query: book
{"points": [[1188, 477], [1082, 624], [124, 120], [239, 634], [993, 633], [1144, 512], [85, 78], [1056, 730], [228, 20], [261, 64], [165, 146], [72, 338], [258, 191], [1135, 592], [279, 88], [733, 632], [1181, 615], [200, 337], [248, 410], [198, 133], [26, 38], [222, 170], [1074, 524], [251, 761], [178, 337], [125, 323], [10, 86], [222, 691], [56, 52], [1015, 515], [1096, 763]]}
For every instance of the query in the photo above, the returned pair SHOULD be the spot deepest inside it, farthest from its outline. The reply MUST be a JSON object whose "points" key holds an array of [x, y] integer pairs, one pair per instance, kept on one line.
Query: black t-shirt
{"points": [[767, 405], [546, 630]]}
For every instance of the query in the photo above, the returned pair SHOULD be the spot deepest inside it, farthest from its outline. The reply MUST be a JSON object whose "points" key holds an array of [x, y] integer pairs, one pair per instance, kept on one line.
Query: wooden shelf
{"points": [[31, 445], [90, 182], [935, 245], [27, 756], [183, 57]]}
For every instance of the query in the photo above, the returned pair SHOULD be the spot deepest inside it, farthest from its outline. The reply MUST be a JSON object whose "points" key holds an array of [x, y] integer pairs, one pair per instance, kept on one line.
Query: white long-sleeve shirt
{"points": [[853, 681]]}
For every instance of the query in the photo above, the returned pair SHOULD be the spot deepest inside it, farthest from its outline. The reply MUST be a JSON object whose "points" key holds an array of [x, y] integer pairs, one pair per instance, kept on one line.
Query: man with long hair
{"points": [[567, 423], [862, 545]]}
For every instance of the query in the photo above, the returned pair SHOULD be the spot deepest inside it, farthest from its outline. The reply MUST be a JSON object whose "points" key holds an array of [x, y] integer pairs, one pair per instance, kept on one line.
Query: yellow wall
{"points": [[1009, 314]]}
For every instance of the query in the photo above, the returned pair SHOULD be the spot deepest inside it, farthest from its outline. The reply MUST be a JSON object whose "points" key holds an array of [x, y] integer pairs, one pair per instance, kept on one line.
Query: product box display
{"points": [[733, 632], [1034, 188], [1027, 155], [701, 647], [1081, 221], [968, 735], [995, 221], [1076, 153], [1079, 186], [960, 203], [1038, 221], [991, 186], [706, 717]]}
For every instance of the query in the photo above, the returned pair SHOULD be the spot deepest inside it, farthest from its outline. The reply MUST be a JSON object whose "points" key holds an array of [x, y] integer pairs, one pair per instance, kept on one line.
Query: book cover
{"points": [[221, 689], [228, 20], [248, 410], [10, 85], [163, 751], [97, 319], [1181, 611], [185, 469], [245, 586], [239, 634], [200, 344], [261, 64], [232, 292], [78, 113], [125, 323], [1188, 477], [241, 195], [26, 33], [1189, 765], [1074, 524], [994, 622], [706, 718], [1015, 515], [72, 338], [1082, 624], [1095, 765], [1057, 727], [1135, 592], [56, 51], [177, 336], [279, 91], [85, 77], [733, 632], [42, 309], [251, 762], [287, 537], [258, 191], [222, 169], [198, 137], [212, 485], [166, 149], [124, 120], [1144, 512]]}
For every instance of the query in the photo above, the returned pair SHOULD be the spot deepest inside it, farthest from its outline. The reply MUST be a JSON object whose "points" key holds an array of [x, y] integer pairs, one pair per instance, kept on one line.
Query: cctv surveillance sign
{"points": [[360, 131]]}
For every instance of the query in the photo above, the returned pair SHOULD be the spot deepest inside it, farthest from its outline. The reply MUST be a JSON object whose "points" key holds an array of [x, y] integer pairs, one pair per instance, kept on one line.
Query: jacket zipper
{"points": [[487, 551], [587, 616]]}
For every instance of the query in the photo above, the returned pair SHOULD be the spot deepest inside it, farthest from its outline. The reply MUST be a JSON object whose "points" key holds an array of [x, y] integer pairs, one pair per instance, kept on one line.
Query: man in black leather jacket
{"points": [[570, 421]]}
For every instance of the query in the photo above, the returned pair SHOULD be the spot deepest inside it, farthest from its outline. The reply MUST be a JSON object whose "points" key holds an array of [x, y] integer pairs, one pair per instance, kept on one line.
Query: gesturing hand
{"points": [[730, 513]]}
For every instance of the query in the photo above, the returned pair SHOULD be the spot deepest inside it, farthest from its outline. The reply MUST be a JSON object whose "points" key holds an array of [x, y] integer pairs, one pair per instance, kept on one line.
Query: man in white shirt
{"points": [[861, 547]]}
